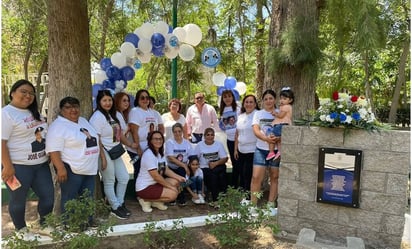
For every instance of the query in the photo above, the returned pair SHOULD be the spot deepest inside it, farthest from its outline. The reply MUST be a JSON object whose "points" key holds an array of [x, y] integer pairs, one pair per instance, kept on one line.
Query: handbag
{"points": [[116, 152]]}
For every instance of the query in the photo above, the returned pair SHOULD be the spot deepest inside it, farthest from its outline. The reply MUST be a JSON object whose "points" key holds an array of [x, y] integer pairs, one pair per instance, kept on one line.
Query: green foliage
{"points": [[71, 229], [238, 221], [156, 236], [16, 240]]}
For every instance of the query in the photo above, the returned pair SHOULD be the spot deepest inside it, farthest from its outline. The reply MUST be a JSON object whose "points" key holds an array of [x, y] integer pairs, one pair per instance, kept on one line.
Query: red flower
{"points": [[354, 98], [335, 95]]}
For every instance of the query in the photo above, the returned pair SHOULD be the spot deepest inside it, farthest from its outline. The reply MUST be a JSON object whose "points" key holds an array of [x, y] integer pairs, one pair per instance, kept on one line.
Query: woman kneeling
{"points": [[156, 183]]}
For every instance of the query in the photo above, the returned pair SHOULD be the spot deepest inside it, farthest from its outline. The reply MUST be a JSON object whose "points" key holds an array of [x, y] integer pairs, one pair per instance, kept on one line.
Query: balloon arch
{"points": [[158, 39]]}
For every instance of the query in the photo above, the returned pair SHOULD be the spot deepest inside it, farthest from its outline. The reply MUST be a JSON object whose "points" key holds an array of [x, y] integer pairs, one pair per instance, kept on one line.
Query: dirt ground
{"points": [[199, 237]]}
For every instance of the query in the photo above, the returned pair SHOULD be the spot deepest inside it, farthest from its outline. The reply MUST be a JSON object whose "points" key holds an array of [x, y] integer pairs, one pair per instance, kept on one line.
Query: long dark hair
{"points": [[151, 147], [222, 104], [33, 107], [118, 98], [242, 109], [136, 99], [191, 159], [107, 114]]}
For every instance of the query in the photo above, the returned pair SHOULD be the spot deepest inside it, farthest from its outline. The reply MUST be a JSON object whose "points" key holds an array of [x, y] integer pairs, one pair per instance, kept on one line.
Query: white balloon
{"points": [[144, 57], [145, 45], [180, 33], [171, 53], [138, 32], [146, 30], [193, 34], [219, 79], [128, 49], [100, 76], [186, 52], [161, 27], [241, 87], [118, 59]]}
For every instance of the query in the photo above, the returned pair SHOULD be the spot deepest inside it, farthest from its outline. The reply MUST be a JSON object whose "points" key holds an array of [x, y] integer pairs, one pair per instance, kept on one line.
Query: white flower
{"points": [[322, 117], [323, 102]]}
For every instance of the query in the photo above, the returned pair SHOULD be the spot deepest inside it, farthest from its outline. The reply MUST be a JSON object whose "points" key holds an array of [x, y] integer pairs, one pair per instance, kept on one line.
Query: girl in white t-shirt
{"points": [[106, 121], [196, 188], [229, 112], [24, 159]]}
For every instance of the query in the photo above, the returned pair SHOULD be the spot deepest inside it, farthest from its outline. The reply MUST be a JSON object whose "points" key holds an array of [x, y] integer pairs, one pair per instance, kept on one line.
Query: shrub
{"points": [[156, 236]]}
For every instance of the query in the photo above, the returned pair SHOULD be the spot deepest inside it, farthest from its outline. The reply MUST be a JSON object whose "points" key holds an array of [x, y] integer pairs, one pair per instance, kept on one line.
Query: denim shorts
{"points": [[259, 159]]}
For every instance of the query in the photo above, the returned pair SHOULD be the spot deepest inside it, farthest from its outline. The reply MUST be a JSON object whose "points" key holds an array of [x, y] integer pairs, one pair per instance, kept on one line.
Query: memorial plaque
{"points": [[339, 176]]}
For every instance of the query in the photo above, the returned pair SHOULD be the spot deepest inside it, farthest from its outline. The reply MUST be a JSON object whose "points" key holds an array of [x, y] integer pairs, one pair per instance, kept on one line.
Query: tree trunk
{"points": [[302, 82], [260, 58], [69, 58], [400, 81]]}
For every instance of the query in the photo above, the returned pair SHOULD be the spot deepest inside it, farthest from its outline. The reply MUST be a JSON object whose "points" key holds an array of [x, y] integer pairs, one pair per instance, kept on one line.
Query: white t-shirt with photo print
{"points": [[149, 162], [264, 119], [109, 132], [209, 153]]}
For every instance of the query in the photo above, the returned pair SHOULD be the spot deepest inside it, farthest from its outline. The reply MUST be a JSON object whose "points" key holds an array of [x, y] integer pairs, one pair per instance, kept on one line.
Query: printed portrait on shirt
{"points": [[228, 121], [39, 144], [161, 168], [116, 131], [90, 140]]}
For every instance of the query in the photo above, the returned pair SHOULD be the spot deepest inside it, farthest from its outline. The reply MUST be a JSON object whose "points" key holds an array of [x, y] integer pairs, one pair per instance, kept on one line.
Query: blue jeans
{"points": [[182, 172], [197, 184], [39, 179], [75, 186], [115, 170]]}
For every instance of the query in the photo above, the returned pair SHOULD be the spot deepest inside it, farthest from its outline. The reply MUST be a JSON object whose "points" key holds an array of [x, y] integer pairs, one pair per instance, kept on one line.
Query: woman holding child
{"points": [[262, 121]]}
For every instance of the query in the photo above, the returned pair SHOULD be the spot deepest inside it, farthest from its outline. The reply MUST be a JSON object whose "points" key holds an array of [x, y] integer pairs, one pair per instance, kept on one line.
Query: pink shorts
{"points": [[152, 192]]}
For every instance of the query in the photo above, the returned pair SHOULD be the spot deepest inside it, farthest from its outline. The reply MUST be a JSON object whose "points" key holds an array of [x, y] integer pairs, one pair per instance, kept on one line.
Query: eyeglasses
{"points": [[143, 97], [25, 92], [76, 107], [199, 98], [157, 138]]}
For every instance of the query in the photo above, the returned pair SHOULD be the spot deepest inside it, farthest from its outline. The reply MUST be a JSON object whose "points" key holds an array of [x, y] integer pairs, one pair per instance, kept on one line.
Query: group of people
{"points": [[171, 154]]}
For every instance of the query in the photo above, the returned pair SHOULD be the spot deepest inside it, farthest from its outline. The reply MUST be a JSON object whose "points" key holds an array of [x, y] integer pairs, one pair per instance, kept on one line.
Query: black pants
{"points": [[245, 164], [182, 172], [235, 164], [215, 180]]}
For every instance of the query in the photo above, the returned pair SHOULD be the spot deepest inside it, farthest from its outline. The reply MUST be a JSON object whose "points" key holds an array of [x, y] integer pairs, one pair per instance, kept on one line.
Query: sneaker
{"points": [[159, 205], [46, 231], [25, 234], [118, 213], [146, 205], [196, 201], [277, 155], [125, 210], [201, 199], [270, 156], [182, 203]]}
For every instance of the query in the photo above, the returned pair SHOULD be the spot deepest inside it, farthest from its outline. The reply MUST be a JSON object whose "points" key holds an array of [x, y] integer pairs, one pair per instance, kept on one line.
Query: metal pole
{"points": [[174, 61]]}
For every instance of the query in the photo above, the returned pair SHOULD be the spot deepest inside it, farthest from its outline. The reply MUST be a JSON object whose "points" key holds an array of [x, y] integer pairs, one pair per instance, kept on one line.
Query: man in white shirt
{"points": [[199, 117]]}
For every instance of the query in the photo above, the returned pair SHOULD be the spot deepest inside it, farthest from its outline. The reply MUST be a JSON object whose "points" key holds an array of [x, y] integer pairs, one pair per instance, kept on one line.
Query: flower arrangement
{"points": [[347, 111]]}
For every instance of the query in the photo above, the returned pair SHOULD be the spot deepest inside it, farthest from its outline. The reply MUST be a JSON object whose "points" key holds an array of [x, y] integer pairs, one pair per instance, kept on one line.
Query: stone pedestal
{"points": [[379, 220]]}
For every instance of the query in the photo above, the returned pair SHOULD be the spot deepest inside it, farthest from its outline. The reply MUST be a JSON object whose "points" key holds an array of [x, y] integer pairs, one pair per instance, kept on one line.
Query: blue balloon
{"points": [[158, 52], [237, 95], [230, 82], [105, 63], [174, 41], [137, 64], [113, 73], [158, 40], [170, 29], [220, 90], [94, 103], [133, 38], [108, 84], [127, 73], [96, 88]]}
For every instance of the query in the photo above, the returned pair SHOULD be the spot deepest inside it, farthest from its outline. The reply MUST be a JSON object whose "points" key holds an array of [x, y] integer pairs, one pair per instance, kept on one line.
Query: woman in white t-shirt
{"points": [[106, 121], [212, 158], [229, 112], [23, 156], [245, 140], [178, 150], [172, 117], [73, 145], [142, 121], [262, 120], [156, 183]]}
